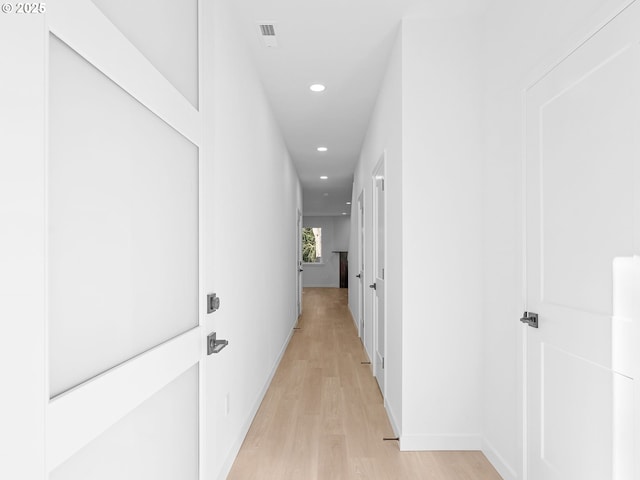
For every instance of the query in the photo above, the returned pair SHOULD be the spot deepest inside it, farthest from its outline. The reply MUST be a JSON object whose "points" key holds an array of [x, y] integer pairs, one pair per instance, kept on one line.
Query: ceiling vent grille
{"points": [[268, 30], [268, 33]]}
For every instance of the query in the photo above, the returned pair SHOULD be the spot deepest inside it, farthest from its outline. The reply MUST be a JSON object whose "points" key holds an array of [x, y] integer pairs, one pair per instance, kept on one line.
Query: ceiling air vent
{"points": [[268, 34]]}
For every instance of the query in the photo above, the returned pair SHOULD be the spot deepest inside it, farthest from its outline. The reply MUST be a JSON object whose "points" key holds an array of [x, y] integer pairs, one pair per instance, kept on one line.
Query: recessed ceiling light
{"points": [[317, 87], [344, 213], [348, 203], [323, 177], [326, 194], [322, 149]]}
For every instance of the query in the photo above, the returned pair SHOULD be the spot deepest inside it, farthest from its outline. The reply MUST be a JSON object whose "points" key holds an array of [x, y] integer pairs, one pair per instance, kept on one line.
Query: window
{"points": [[312, 245]]}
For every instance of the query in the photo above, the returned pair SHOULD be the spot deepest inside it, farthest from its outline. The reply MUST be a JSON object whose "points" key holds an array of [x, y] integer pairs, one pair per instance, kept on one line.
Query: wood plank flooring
{"points": [[323, 418]]}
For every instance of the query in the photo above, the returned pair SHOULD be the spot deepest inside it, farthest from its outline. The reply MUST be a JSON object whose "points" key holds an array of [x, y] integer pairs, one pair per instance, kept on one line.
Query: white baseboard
{"points": [[409, 443], [353, 317], [321, 286], [503, 468], [233, 453], [392, 419]]}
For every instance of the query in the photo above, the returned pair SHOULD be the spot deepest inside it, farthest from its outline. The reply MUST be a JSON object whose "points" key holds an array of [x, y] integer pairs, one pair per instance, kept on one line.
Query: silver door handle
{"points": [[214, 345], [530, 318]]}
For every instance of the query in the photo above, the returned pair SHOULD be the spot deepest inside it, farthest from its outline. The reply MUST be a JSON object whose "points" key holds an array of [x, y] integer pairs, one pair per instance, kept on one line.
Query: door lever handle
{"points": [[220, 344], [214, 345], [358, 276], [530, 318], [373, 285], [300, 270]]}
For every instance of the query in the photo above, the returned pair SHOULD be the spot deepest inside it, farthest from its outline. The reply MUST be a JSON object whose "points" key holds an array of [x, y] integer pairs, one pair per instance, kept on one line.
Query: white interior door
{"points": [[123, 247], [299, 263], [360, 274], [582, 167], [379, 260]]}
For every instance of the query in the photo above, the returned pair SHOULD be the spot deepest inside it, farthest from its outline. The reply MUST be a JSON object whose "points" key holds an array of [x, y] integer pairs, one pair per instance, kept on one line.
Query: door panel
{"points": [[150, 25], [573, 390], [123, 224], [139, 446], [582, 155], [587, 199], [124, 296]]}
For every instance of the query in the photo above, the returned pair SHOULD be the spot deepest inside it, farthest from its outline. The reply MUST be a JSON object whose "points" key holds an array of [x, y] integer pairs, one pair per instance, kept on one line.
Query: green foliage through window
{"points": [[311, 245]]}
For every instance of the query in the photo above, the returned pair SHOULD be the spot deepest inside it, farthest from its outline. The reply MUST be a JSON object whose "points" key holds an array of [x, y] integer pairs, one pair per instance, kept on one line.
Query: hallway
{"points": [[323, 416]]}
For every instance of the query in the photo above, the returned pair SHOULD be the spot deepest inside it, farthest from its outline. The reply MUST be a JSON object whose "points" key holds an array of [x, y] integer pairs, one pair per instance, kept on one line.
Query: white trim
{"points": [[82, 414], [322, 286], [22, 246], [98, 41], [361, 240], [46, 156], [503, 468], [314, 264], [392, 419], [235, 448], [521, 345], [458, 442], [203, 470], [355, 322]]}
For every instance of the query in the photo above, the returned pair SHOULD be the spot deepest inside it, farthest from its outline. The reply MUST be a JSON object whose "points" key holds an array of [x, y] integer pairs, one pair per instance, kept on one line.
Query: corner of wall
{"points": [[498, 462]]}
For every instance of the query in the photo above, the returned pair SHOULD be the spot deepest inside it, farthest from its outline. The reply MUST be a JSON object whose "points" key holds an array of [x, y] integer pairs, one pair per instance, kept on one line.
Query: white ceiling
{"points": [[343, 44]]}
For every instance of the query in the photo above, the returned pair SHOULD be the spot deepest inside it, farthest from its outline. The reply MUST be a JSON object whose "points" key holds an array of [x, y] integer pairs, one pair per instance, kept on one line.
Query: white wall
{"points": [[335, 238], [523, 39], [428, 119], [253, 195], [442, 303], [450, 109], [384, 134]]}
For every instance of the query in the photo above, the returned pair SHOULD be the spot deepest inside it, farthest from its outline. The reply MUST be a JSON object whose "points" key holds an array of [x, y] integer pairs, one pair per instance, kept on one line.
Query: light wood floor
{"points": [[323, 419]]}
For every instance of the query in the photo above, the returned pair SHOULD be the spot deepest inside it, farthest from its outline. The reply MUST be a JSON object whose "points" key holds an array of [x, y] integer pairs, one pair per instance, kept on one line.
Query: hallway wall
{"points": [[442, 160], [335, 237], [253, 195], [428, 119], [523, 40], [384, 135]]}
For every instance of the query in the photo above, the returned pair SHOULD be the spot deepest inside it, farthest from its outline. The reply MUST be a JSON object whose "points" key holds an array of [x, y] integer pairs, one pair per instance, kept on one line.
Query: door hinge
{"points": [[383, 363]]}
